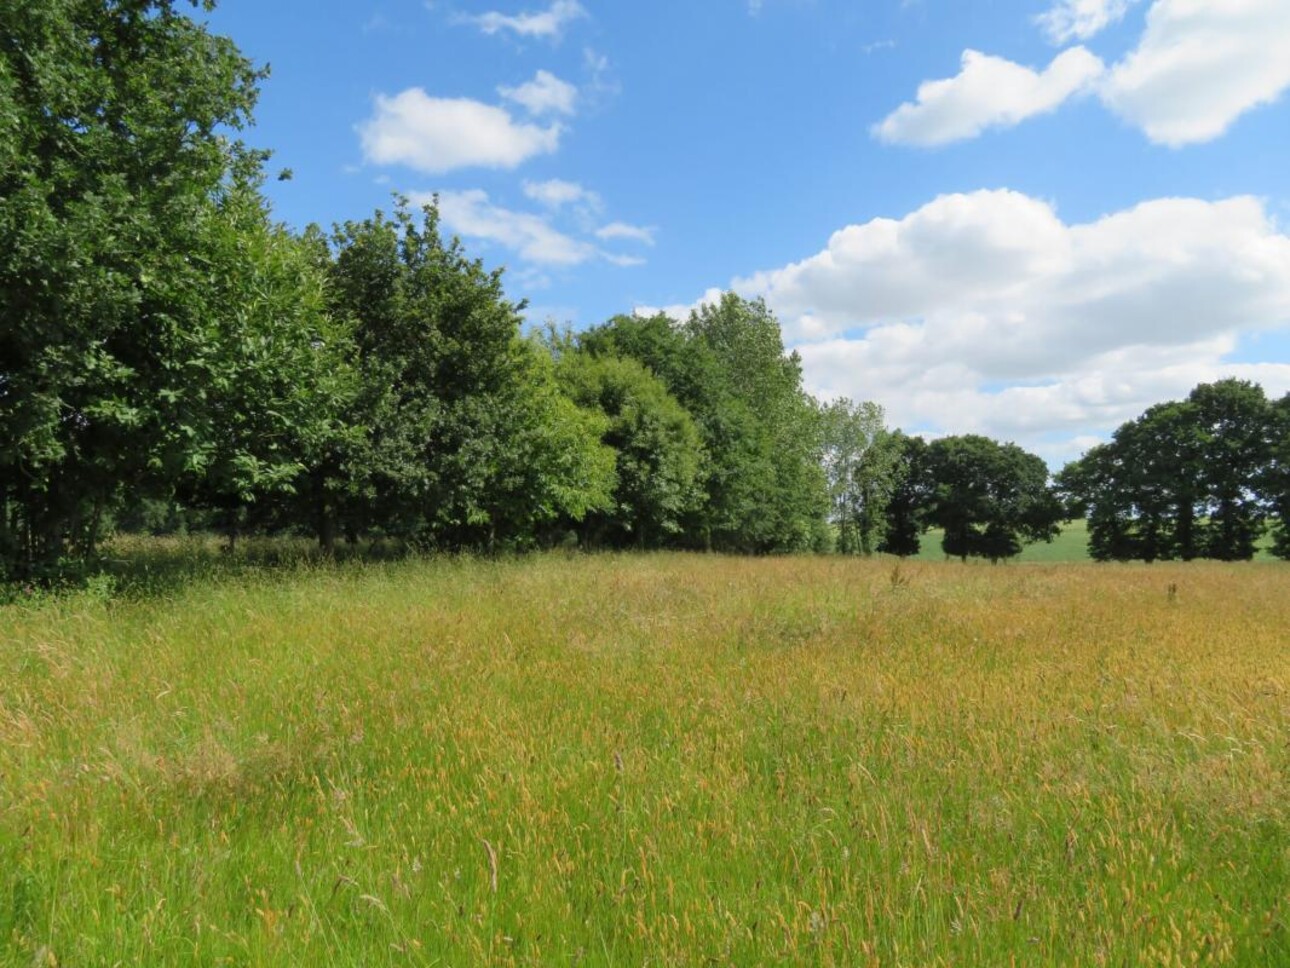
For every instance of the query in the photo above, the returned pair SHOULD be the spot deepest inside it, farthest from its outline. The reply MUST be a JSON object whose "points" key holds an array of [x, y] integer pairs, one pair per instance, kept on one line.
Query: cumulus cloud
{"points": [[1081, 19], [437, 135], [624, 231], [999, 278], [988, 92], [545, 24], [987, 312], [1200, 65], [1049, 416], [545, 94]]}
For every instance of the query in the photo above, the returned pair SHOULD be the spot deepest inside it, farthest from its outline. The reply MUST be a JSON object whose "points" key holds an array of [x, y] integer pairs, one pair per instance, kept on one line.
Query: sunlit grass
{"points": [[651, 760], [1071, 545]]}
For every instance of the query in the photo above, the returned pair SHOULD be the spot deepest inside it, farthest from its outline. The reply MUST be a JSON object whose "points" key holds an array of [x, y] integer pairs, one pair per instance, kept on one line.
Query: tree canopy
{"points": [[1197, 478], [658, 455], [863, 469], [762, 481], [119, 185], [168, 352], [989, 498]]}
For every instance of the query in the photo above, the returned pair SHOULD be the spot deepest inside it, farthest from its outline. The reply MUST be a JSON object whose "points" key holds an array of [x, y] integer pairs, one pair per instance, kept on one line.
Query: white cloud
{"points": [[1081, 19], [631, 233], [471, 214], [543, 24], [1052, 416], [680, 311], [986, 312], [557, 193], [437, 135], [545, 94], [1200, 65], [623, 261], [988, 92]]}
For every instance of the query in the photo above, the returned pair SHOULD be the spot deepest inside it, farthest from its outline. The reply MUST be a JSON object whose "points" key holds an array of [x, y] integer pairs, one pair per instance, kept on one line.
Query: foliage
{"points": [[533, 459], [766, 487], [1236, 443], [1276, 483], [989, 497], [274, 381], [459, 436], [862, 465], [763, 482], [112, 167], [381, 277], [658, 453], [1187, 479], [911, 497]]}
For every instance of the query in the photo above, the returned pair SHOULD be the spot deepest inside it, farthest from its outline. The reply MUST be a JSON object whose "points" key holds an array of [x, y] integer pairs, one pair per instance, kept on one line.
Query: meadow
{"points": [[650, 760], [1070, 545]]}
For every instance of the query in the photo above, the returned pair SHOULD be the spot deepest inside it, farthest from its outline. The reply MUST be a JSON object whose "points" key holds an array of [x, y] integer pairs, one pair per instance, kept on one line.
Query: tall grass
{"points": [[651, 760]]}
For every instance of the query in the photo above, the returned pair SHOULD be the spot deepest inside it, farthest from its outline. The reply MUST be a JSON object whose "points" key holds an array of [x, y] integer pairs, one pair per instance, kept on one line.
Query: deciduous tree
{"points": [[910, 502], [990, 498], [657, 450], [763, 481], [456, 414], [862, 466], [1187, 479], [114, 155], [1276, 484]]}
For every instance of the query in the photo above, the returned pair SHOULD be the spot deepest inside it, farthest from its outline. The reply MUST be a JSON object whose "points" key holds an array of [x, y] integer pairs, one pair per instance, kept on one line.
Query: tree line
{"points": [[170, 356], [1203, 477]]}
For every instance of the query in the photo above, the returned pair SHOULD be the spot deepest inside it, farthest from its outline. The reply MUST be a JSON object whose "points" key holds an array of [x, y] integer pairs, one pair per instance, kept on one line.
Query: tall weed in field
{"points": [[654, 759]]}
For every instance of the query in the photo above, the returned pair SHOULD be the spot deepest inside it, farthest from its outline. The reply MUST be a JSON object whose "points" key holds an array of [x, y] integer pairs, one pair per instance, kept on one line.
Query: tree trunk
{"points": [[1186, 531], [230, 531], [326, 529], [325, 520], [92, 532]]}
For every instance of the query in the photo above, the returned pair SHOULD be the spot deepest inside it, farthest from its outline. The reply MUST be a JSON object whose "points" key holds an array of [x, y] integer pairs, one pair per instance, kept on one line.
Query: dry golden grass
{"points": [[653, 760]]}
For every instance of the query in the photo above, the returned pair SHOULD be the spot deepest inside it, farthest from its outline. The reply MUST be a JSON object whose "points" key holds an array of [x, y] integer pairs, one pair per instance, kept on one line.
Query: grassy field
{"points": [[1071, 545], [652, 760]]}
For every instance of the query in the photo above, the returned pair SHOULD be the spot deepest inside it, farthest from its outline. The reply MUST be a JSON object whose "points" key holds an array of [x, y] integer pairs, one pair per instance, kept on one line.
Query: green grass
{"points": [[1070, 545], [669, 760]]}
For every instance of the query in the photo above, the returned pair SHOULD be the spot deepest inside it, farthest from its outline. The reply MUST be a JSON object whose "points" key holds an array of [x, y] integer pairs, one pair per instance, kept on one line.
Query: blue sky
{"points": [[1025, 218]]}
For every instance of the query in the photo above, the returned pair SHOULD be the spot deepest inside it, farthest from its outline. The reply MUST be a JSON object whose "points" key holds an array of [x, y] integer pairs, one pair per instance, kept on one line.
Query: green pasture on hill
{"points": [[655, 759], [1069, 546]]}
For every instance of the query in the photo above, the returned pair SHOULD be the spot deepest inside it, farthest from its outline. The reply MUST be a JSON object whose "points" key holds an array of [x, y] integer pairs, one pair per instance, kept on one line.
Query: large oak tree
{"points": [[117, 161]]}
